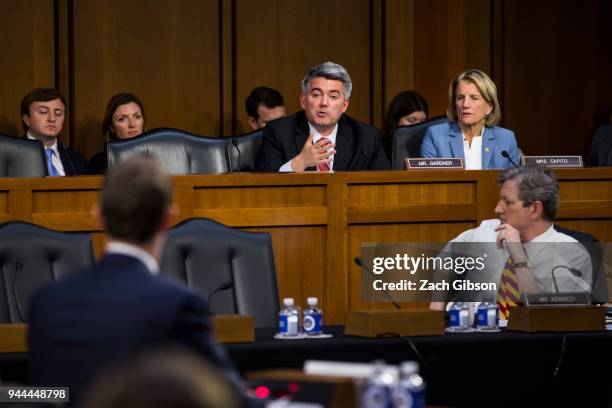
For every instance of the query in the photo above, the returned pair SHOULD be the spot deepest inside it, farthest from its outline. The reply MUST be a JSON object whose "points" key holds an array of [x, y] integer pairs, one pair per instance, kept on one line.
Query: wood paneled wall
{"points": [[557, 72], [28, 55], [194, 61]]}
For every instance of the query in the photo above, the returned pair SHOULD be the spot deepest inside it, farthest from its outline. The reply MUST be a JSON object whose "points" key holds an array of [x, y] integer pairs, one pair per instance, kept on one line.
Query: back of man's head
{"points": [[39, 95], [262, 95], [163, 378], [135, 200]]}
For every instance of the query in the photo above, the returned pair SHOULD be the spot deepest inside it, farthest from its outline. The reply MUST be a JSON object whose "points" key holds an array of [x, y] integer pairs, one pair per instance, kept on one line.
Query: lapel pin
{"points": [[487, 149]]}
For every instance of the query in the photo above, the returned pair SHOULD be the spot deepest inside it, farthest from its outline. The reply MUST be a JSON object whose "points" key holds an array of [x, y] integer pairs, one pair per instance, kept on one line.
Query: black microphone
{"points": [[61, 146], [359, 263], [18, 268], [235, 144], [507, 156], [224, 286], [573, 271], [229, 159]]}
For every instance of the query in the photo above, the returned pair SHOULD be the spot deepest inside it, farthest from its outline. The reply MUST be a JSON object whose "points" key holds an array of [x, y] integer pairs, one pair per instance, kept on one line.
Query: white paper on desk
{"points": [[292, 404], [343, 369]]}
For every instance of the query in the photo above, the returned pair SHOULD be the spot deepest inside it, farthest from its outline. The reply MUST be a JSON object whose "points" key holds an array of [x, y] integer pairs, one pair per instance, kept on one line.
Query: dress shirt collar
{"points": [[547, 236], [480, 135], [316, 135], [52, 147], [123, 248]]}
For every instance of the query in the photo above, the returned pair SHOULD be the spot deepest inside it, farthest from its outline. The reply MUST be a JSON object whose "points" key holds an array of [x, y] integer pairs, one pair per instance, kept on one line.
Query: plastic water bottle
{"points": [[459, 316], [482, 316], [493, 315], [289, 319], [487, 316], [378, 390], [410, 392], [313, 318]]}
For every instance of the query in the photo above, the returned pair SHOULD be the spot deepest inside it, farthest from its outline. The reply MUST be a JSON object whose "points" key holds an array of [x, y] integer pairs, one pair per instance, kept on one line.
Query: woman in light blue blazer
{"points": [[472, 133]]}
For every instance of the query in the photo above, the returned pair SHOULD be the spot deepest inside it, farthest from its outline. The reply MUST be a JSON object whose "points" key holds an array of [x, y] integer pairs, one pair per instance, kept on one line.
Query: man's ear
{"points": [[303, 101], [252, 122], [537, 208], [26, 119], [346, 105]]}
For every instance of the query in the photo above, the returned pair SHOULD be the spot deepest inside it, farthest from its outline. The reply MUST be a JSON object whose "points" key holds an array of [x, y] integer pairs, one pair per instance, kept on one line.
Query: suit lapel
{"points": [[488, 147], [66, 163], [301, 132], [344, 145], [456, 142]]}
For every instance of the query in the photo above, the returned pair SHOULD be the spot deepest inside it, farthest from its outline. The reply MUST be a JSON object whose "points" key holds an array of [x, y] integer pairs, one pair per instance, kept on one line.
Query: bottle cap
{"points": [[409, 367], [312, 301], [288, 301]]}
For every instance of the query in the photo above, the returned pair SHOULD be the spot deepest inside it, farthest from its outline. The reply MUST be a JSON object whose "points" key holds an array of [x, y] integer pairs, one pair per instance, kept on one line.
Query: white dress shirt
{"points": [[55, 157], [547, 250], [473, 152], [123, 248]]}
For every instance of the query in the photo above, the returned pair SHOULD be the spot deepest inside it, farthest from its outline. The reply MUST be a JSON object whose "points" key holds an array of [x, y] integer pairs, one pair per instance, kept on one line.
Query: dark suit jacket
{"points": [[601, 148], [84, 323], [358, 146], [74, 163], [97, 163]]}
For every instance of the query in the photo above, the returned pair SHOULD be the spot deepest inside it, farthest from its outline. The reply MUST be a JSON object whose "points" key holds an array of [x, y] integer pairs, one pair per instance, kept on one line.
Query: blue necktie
{"points": [[50, 166]]}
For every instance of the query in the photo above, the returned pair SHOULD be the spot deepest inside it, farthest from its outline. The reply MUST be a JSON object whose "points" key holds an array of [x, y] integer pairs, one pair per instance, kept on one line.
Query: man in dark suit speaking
{"points": [[120, 307], [322, 137]]}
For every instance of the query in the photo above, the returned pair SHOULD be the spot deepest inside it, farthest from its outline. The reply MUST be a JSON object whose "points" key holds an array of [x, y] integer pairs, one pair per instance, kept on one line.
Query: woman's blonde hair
{"points": [[487, 89]]}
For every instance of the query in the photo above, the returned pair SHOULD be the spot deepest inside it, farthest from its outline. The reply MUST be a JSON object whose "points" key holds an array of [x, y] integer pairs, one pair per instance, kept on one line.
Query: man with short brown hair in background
{"points": [[43, 112]]}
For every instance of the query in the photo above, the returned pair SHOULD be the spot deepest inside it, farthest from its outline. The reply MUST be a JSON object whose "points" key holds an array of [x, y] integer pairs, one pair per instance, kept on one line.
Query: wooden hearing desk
{"points": [[318, 221]]}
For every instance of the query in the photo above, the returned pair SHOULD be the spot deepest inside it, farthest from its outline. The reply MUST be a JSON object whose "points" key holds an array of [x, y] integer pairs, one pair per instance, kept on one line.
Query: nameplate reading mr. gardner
{"points": [[438, 163]]}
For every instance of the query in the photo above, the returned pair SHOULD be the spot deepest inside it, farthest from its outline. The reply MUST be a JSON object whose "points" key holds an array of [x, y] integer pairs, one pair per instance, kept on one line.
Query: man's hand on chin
{"points": [[510, 238]]}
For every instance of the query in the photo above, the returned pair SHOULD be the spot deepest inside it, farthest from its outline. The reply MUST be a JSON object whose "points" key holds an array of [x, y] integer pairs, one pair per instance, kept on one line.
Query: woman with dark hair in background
{"points": [[124, 119], [407, 108]]}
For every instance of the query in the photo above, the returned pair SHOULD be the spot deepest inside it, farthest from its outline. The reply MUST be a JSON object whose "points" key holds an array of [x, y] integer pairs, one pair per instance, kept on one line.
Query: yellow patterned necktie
{"points": [[508, 294]]}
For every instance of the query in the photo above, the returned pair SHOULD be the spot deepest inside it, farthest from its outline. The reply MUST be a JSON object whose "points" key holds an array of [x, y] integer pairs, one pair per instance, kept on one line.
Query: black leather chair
{"points": [[243, 149], [208, 256], [178, 151], [22, 157], [601, 148], [31, 256], [407, 141], [599, 286]]}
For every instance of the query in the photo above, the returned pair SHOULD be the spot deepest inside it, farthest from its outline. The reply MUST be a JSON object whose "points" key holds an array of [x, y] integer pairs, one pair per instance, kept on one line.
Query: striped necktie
{"points": [[508, 294], [323, 166], [52, 170]]}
